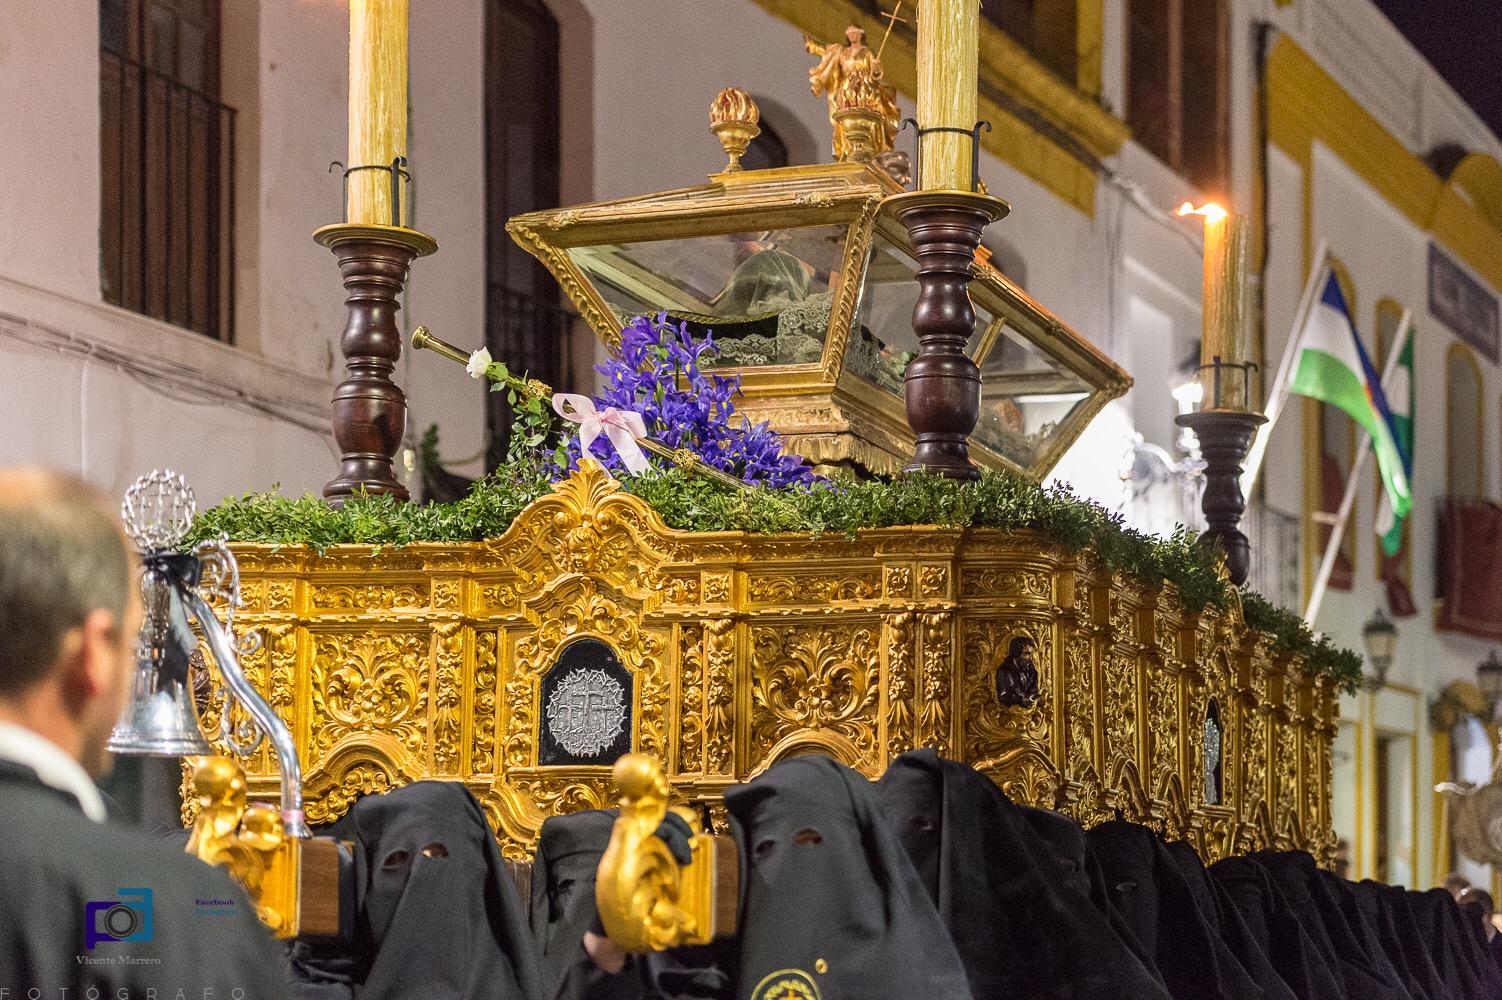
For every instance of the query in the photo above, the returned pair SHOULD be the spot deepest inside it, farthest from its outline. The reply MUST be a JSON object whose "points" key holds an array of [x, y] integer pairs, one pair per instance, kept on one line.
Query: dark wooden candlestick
{"points": [[1225, 436], [369, 409], [942, 385]]}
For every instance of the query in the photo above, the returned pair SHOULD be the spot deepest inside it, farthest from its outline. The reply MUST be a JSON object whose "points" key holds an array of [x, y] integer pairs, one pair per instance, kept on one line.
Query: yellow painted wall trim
{"points": [[1004, 65], [1090, 37], [1306, 104]]}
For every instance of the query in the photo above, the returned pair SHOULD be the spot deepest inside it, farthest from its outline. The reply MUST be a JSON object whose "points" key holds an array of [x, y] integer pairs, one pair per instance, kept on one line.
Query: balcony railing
{"points": [[1275, 555], [167, 226]]}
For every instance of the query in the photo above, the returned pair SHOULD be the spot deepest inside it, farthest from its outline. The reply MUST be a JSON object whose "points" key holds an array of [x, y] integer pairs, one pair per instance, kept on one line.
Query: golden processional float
{"points": [[871, 332]]}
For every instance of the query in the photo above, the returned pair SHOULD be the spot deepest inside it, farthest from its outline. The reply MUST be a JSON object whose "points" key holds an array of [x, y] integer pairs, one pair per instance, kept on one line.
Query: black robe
{"points": [[1018, 930], [831, 906], [1457, 945], [439, 916], [1276, 928], [1386, 909], [1080, 873], [64, 875], [1160, 907], [1227, 923], [1342, 894], [1331, 923], [563, 907]]}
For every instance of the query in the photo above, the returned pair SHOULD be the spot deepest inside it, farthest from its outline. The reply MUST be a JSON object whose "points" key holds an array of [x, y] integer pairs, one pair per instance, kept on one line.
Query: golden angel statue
{"points": [[853, 64]]}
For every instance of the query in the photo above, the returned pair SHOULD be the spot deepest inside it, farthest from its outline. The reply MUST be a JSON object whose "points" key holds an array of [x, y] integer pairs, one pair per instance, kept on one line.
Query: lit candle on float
{"points": [[377, 105], [948, 61], [1225, 333]]}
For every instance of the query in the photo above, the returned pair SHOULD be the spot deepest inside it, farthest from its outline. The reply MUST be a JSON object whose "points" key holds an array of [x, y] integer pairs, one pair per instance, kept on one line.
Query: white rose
{"points": [[478, 362]]}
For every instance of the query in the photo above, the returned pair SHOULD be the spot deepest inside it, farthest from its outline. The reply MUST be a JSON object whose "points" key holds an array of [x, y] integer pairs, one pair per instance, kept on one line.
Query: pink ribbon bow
{"points": [[623, 428]]}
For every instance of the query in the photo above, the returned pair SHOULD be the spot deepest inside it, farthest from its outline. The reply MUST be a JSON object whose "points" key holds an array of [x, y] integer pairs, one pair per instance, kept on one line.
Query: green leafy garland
{"points": [[1292, 635], [1000, 500]]}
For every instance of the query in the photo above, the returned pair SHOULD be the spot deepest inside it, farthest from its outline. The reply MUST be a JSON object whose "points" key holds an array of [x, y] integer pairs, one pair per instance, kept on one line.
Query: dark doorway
{"points": [[525, 326]]}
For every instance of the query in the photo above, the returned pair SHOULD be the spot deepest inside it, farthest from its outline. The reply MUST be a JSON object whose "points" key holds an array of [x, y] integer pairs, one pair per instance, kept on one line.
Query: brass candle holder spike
{"points": [[734, 118], [683, 458]]}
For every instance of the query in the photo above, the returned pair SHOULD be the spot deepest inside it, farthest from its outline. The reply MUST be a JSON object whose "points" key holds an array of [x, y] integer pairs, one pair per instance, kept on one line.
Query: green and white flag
{"points": [[1333, 366], [1398, 388]]}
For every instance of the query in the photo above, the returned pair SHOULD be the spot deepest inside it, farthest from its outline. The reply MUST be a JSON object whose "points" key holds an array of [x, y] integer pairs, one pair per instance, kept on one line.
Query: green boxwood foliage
{"points": [[999, 500]]}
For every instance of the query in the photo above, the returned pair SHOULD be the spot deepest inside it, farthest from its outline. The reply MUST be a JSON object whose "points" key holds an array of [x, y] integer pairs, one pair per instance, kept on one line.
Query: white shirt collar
{"points": [[53, 766]]}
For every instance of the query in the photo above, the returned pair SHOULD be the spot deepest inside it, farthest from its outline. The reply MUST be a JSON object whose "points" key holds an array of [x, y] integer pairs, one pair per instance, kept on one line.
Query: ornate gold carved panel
{"points": [[429, 662]]}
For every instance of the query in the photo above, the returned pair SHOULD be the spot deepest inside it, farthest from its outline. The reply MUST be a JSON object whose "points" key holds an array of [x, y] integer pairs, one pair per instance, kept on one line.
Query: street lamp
{"points": [[1489, 680], [1380, 636]]}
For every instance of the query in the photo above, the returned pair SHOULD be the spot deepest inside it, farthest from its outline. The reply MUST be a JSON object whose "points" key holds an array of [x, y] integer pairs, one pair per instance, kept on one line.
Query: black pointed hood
{"points": [[831, 905], [995, 883], [1275, 926], [439, 912], [1158, 904], [563, 907], [1080, 873], [1226, 921], [1320, 911], [1386, 909], [1457, 945]]}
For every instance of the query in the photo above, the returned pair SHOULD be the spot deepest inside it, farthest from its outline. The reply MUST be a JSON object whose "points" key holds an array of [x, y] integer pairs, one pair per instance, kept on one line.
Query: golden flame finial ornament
{"points": [[857, 115], [849, 76], [733, 118]]}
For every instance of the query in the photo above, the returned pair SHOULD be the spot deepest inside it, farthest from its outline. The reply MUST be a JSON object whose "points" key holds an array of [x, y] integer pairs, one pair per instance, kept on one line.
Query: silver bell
{"points": [[159, 719]]}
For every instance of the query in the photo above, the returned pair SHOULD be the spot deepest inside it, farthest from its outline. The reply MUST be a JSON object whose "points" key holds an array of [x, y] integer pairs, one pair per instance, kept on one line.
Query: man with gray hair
{"points": [[91, 909]]}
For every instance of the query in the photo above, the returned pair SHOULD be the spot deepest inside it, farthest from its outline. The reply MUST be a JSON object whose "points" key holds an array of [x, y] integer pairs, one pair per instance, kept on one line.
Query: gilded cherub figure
{"points": [[842, 66]]}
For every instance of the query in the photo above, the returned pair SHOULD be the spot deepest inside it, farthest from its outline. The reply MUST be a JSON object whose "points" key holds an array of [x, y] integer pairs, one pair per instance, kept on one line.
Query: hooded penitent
{"points": [[1275, 925], [1386, 909], [438, 913], [1079, 873], [1319, 910], [1226, 921], [1019, 932], [1456, 945], [1147, 887], [569, 848], [1364, 927], [563, 906], [831, 907]]}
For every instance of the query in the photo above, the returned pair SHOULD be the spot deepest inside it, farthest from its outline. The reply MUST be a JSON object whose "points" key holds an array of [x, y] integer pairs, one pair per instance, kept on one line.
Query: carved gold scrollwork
{"points": [[812, 589], [935, 657], [375, 684], [448, 696], [691, 686], [901, 735], [482, 755], [818, 678], [719, 706]]}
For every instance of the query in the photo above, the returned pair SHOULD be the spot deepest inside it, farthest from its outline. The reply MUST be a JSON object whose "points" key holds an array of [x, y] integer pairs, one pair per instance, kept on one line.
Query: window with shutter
{"points": [[166, 164]]}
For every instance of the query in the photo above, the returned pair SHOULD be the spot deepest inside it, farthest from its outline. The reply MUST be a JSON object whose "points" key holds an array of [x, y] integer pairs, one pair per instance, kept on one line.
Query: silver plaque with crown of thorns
{"points": [[158, 510], [586, 712]]}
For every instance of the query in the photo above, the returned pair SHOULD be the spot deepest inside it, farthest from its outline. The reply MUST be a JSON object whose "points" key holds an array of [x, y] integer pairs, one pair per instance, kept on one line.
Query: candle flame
{"points": [[1209, 210]]}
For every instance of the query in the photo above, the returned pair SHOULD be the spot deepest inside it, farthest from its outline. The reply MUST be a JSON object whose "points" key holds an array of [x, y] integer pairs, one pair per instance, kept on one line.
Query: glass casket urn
{"points": [[808, 288]]}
